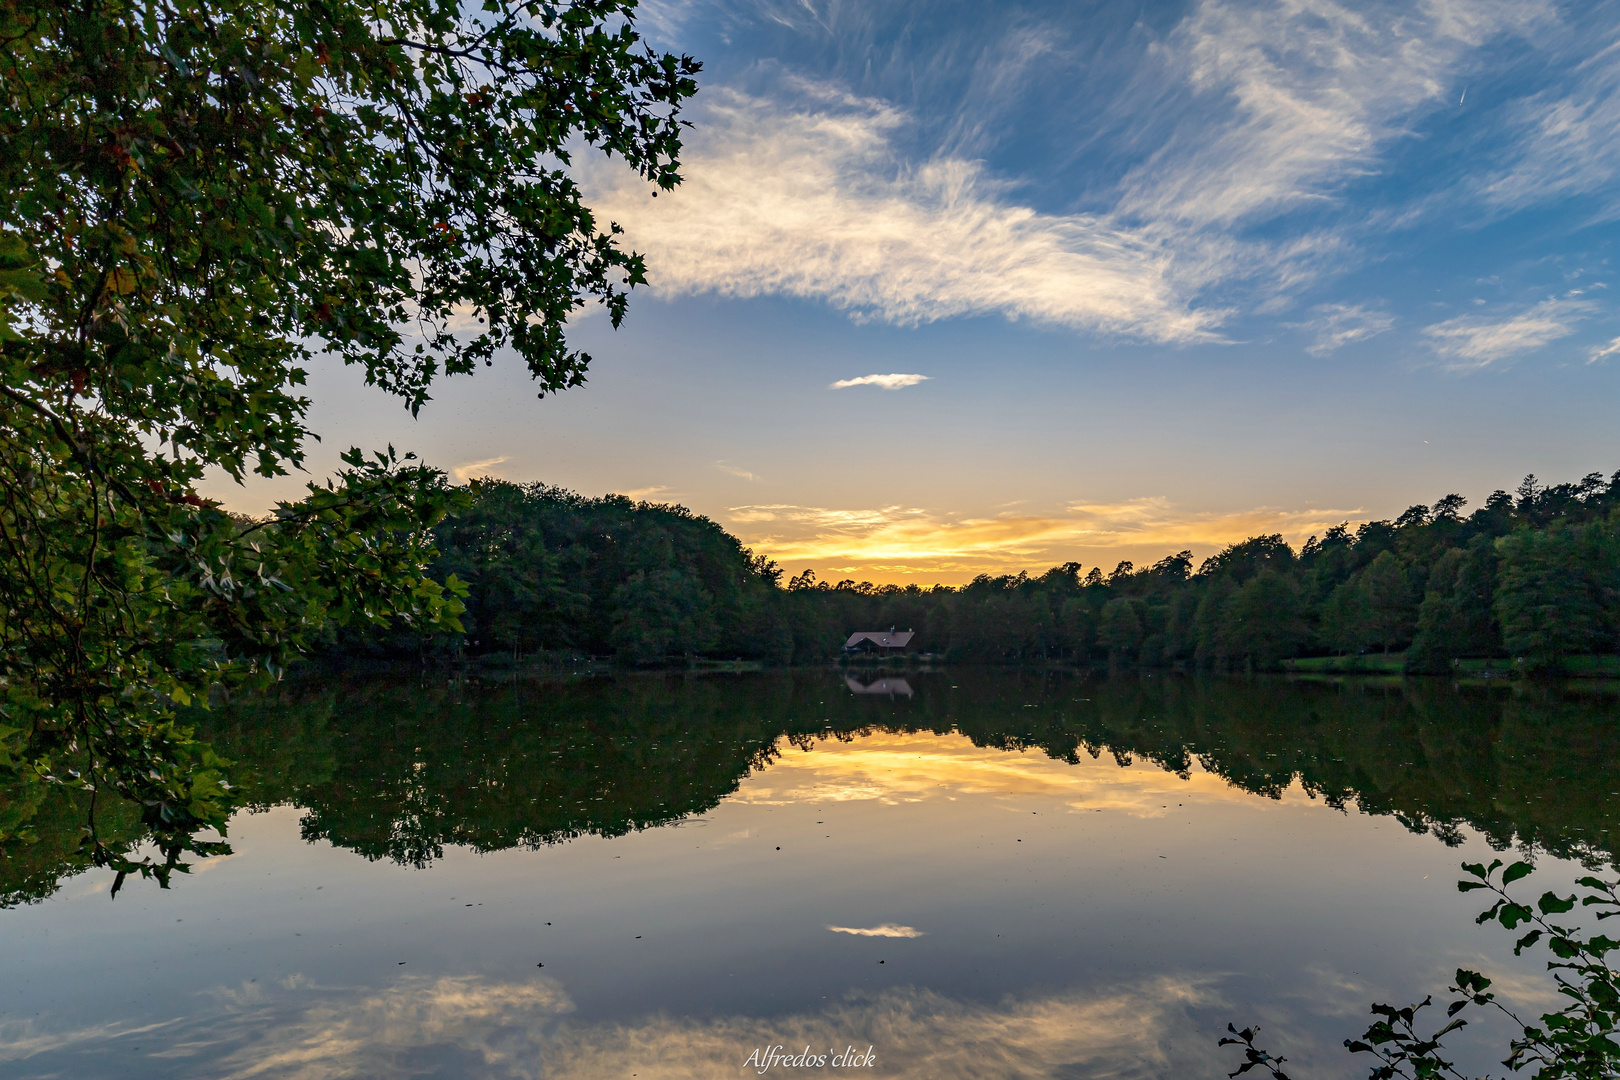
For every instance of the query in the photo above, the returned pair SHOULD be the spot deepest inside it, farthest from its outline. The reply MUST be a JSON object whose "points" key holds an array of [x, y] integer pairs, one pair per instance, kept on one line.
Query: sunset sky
{"points": [[1100, 281]]}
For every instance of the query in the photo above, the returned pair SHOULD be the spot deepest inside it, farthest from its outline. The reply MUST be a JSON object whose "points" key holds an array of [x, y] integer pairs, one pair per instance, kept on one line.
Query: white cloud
{"points": [[471, 469], [811, 199], [732, 470], [885, 930], [1313, 91], [1603, 352], [1337, 325], [1258, 109], [1566, 138], [888, 382], [1471, 342], [661, 21]]}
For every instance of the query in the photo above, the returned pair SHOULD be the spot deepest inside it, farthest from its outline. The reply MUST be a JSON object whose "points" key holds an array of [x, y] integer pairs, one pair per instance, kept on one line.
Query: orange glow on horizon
{"points": [[913, 546]]}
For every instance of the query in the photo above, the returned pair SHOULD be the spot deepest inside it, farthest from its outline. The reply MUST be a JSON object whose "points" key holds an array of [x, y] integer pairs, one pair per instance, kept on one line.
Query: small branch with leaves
{"points": [[1578, 1042]]}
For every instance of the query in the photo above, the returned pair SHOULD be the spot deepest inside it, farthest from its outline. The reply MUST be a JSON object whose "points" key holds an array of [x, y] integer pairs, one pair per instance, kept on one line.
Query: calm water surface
{"points": [[974, 875]]}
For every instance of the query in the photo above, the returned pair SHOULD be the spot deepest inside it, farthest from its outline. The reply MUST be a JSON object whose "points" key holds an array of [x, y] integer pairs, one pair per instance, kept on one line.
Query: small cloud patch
{"points": [[732, 470], [1603, 352], [645, 494], [471, 469], [887, 382], [1337, 325], [1471, 342], [886, 930]]}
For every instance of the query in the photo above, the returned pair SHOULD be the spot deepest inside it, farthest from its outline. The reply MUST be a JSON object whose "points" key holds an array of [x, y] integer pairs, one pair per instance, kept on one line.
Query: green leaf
{"points": [[1512, 915], [1551, 904], [1513, 873]]}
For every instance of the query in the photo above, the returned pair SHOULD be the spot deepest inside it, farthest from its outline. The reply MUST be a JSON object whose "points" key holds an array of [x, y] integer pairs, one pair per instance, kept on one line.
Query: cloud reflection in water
{"points": [[894, 768], [460, 1026]]}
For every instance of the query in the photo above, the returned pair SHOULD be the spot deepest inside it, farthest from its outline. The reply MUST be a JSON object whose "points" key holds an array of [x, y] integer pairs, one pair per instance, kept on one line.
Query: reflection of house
{"points": [[877, 641], [891, 687]]}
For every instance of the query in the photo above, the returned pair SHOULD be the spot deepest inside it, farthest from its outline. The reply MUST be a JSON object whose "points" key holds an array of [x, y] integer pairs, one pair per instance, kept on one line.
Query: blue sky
{"points": [[1176, 273]]}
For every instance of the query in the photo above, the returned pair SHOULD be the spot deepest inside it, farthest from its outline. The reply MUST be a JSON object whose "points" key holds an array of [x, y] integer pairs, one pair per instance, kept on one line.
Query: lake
{"points": [[919, 874]]}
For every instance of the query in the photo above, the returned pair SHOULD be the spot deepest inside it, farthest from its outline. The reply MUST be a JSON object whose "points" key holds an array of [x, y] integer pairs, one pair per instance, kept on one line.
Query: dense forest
{"points": [[1531, 578]]}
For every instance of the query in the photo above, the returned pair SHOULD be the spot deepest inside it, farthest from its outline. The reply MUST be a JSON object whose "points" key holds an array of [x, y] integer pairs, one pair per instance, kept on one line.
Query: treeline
{"points": [[552, 572], [1532, 577]]}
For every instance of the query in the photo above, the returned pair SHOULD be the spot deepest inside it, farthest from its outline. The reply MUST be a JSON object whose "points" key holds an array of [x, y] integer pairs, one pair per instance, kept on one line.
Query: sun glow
{"points": [[905, 768], [905, 544]]}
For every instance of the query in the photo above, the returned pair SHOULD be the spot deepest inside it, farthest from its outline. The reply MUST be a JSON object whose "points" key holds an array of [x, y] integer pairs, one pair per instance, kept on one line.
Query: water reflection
{"points": [[888, 685], [923, 1034], [1002, 874], [399, 771], [461, 1026]]}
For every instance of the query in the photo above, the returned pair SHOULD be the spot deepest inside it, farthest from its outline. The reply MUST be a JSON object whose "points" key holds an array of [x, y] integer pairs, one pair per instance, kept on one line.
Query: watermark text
{"points": [[778, 1057]]}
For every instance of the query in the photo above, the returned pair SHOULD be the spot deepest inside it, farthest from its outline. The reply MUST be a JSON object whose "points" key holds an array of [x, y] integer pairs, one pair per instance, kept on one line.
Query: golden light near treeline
{"points": [[915, 546]]}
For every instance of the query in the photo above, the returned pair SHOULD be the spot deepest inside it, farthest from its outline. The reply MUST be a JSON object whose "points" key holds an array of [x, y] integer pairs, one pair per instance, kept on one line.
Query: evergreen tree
{"points": [[1557, 589]]}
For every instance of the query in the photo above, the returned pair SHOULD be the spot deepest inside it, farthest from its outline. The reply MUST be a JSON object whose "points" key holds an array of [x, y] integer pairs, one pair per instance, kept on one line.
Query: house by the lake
{"points": [[882, 642]]}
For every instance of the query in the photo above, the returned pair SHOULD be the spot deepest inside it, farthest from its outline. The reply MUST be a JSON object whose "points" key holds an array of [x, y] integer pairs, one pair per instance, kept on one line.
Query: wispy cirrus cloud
{"points": [[26, 1038], [1337, 325], [1248, 110], [1294, 99], [1565, 137], [885, 930], [1472, 342], [807, 195], [739, 473], [1603, 352], [888, 382]]}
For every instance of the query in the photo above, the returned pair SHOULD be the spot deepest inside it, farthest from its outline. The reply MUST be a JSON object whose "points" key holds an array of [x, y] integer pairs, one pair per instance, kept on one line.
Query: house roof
{"points": [[888, 639]]}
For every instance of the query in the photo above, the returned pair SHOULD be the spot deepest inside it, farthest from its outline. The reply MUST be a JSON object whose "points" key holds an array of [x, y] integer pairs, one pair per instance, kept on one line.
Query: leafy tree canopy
{"points": [[196, 197]]}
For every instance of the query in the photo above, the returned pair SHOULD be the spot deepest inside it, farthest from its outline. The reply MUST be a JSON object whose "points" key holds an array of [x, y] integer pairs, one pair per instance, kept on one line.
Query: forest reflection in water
{"points": [[1063, 946], [398, 770]]}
